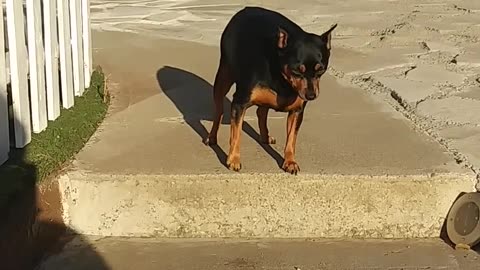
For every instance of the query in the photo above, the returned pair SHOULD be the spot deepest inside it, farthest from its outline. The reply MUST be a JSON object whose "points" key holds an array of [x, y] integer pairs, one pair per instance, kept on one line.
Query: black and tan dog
{"points": [[275, 65]]}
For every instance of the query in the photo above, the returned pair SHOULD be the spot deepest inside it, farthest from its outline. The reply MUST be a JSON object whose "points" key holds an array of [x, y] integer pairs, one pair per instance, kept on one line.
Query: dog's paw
{"points": [[210, 141], [269, 140], [291, 167], [234, 164]]}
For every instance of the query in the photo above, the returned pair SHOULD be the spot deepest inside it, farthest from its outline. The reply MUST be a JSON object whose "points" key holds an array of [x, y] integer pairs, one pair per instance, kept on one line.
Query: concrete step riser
{"points": [[260, 205]]}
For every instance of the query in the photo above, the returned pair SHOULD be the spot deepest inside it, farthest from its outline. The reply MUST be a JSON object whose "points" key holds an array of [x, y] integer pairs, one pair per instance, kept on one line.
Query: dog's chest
{"points": [[266, 97]]}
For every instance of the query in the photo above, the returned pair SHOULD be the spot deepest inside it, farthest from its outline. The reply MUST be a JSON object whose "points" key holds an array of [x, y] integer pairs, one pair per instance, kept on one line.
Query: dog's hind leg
{"points": [[223, 83], [262, 114]]}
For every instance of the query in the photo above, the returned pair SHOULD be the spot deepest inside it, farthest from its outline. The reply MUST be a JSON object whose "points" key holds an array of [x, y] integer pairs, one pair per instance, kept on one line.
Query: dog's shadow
{"points": [[193, 97]]}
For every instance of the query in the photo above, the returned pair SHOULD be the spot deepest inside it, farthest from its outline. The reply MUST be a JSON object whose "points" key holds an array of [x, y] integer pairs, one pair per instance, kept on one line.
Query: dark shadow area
{"points": [[31, 224], [193, 97]]}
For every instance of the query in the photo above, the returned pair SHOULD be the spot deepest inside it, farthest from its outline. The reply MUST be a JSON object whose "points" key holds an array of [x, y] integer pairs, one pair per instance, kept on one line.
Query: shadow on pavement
{"points": [[31, 225], [193, 97]]}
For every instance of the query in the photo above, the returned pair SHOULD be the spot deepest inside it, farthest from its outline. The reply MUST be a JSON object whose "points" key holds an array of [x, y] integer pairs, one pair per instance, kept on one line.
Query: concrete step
{"points": [[260, 205], [133, 253], [365, 171]]}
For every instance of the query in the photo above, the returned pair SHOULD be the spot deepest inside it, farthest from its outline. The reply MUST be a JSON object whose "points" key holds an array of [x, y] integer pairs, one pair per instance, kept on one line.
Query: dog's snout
{"points": [[310, 96]]}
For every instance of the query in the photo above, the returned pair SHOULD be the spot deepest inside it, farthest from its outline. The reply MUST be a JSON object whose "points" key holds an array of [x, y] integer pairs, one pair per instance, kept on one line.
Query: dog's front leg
{"points": [[236, 122], [294, 121]]}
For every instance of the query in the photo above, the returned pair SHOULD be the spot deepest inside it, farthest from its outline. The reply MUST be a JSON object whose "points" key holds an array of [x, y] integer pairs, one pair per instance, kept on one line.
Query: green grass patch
{"points": [[50, 149]]}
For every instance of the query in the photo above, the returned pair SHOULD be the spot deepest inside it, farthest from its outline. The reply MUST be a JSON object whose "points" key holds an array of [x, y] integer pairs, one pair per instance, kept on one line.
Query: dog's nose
{"points": [[310, 96]]}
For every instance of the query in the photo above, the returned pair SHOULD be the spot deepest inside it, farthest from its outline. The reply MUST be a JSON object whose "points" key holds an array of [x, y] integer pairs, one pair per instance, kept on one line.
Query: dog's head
{"points": [[304, 60]]}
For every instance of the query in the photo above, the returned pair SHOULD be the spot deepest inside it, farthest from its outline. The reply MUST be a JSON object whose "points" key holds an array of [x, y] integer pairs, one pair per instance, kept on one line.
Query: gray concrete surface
{"points": [[365, 171], [378, 152], [164, 107], [146, 254], [423, 53], [373, 160]]}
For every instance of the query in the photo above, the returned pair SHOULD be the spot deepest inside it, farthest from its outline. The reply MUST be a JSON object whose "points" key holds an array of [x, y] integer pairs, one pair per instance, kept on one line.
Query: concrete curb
{"points": [[260, 205]]}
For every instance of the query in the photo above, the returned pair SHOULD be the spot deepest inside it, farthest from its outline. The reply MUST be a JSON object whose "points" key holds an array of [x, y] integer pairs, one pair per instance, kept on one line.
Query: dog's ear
{"points": [[282, 38], [327, 36]]}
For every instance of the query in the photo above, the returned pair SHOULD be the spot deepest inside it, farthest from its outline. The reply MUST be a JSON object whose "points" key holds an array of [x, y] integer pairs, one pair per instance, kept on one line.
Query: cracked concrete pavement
{"points": [[398, 105], [421, 57], [418, 58]]}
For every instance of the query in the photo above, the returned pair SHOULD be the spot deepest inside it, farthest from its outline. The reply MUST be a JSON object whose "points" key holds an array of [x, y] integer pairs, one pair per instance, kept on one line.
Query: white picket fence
{"points": [[45, 60]]}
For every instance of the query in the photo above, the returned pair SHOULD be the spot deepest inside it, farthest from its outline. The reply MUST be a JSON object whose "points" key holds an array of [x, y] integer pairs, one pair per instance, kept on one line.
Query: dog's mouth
{"points": [[306, 97]]}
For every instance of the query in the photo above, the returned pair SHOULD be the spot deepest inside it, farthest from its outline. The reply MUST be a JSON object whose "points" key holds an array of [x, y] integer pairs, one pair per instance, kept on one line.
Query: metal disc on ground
{"points": [[463, 220]]}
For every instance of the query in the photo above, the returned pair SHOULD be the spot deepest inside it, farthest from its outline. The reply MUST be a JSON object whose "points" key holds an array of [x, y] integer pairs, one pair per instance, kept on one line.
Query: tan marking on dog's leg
{"points": [[236, 123], [294, 122]]}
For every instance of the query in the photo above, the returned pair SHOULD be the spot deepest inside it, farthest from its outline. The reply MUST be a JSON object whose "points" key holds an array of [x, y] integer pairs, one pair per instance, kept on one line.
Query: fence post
{"points": [[18, 72], [77, 47], [87, 42], [66, 69], [51, 58], [4, 133], [36, 66]]}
